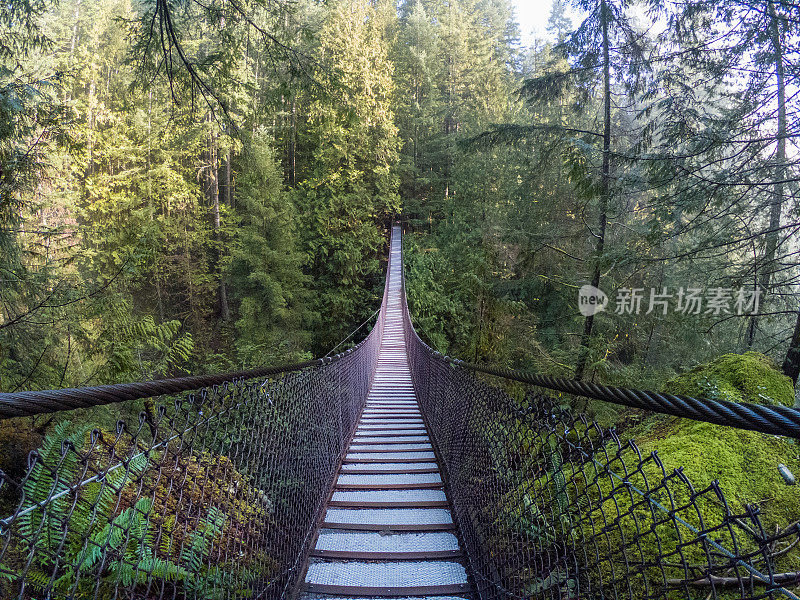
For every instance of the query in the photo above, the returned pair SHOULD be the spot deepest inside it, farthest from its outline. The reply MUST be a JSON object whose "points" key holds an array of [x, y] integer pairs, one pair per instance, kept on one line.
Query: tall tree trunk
{"points": [[90, 117], [256, 92], [148, 170], [73, 41], [222, 292], [447, 131], [449, 127], [76, 18], [776, 206], [293, 145], [605, 186], [228, 180], [791, 364]]}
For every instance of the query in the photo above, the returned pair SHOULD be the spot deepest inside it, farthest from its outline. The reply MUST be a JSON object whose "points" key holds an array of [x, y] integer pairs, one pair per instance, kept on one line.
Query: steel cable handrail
{"points": [[214, 493], [28, 403], [775, 419]]}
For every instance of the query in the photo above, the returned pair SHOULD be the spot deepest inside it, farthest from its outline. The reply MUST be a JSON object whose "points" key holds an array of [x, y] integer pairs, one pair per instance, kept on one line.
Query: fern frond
{"points": [[196, 551]]}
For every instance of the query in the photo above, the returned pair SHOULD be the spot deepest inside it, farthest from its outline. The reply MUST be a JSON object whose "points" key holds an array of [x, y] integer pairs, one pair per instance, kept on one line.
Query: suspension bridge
{"points": [[386, 471]]}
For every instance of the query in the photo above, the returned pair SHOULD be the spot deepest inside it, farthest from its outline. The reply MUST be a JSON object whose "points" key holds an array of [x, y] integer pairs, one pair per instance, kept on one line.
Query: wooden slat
{"points": [[408, 451], [398, 419], [365, 461], [389, 472], [374, 413], [404, 443], [407, 504], [384, 592], [399, 527], [401, 433], [451, 555], [384, 486]]}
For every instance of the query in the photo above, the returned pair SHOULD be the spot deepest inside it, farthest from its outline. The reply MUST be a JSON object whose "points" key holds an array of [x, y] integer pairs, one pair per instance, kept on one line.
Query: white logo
{"points": [[591, 300]]}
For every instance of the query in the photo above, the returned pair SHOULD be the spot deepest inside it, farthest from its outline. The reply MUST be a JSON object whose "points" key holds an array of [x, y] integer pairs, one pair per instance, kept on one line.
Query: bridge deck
{"points": [[388, 530]]}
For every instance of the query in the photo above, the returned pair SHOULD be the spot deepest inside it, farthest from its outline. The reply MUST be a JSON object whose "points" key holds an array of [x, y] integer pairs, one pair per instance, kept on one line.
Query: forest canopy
{"points": [[190, 187]]}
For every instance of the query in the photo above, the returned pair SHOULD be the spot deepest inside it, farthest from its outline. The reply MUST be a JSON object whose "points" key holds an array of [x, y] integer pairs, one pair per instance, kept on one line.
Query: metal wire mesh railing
{"points": [[212, 494], [551, 505]]}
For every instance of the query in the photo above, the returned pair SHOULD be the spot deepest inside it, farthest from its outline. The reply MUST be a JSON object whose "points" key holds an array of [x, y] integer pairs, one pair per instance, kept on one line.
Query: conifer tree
{"points": [[720, 146], [558, 23], [266, 268], [351, 187], [605, 50]]}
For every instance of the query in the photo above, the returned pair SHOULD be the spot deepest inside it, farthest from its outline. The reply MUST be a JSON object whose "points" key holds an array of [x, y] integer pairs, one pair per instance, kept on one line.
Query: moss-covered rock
{"points": [[636, 514], [697, 465], [748, 377], [745, 463], [636, 520]]}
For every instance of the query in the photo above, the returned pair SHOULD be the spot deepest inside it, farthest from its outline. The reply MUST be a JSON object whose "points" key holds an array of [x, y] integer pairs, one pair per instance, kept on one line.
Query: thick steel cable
{"points": [[774, 419], [29, 403], [20, 404]]}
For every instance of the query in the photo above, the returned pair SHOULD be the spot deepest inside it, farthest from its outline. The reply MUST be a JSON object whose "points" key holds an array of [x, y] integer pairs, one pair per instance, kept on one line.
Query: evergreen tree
{"points": [[351, 187], [605, 50], [558, 23], [266, 268], [418, 103], [720, 147]]}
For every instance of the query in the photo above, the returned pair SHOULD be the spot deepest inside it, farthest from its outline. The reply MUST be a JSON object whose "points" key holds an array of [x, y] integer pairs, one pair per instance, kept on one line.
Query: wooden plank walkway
{"points": [[388, 530]]}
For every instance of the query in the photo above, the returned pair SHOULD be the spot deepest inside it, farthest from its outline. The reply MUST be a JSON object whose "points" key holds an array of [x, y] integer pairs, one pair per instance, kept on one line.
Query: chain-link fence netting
{"points": [[212, 494], [216, 494]]}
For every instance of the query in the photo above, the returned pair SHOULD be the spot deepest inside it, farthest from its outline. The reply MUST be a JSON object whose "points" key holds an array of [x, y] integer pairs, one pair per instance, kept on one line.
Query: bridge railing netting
{"points": [[208, 495], [551, 505]]}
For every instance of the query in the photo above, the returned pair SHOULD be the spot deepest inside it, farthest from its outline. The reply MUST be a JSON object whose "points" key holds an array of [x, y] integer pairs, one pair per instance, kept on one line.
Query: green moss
{"points": [[745, 463], [598, 503], [606, 513], [748, 377], [640, 515]]}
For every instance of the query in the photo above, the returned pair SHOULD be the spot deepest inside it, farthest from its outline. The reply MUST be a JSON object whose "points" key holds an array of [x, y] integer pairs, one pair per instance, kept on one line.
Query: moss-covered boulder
{"points": [[748, 377], [638, 515], [745, 463], [644, 513]]}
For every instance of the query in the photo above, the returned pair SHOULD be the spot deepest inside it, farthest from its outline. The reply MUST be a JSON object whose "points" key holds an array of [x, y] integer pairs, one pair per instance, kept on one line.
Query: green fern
{"points": [[197, 550], [46, 507], [79, 546], [559, 482], [66, 529], [162, 346], [200, 541]]}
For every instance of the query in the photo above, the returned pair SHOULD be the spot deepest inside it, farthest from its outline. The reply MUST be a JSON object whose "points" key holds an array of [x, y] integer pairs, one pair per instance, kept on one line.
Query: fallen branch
{"points": [[778, 578]]}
